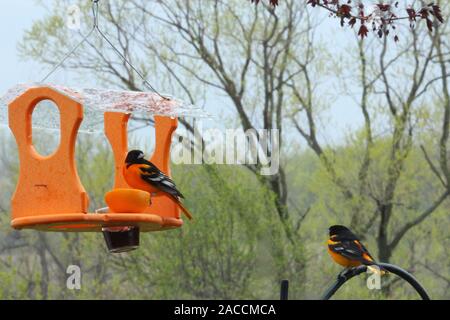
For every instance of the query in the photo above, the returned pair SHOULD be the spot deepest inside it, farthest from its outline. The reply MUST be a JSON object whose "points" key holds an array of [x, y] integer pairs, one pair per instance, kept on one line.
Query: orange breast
{"points": [[132, 176], [343, 261]]}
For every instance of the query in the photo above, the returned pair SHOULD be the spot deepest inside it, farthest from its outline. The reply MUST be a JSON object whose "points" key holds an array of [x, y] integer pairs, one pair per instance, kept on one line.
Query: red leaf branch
{"points": [[381, 17]]}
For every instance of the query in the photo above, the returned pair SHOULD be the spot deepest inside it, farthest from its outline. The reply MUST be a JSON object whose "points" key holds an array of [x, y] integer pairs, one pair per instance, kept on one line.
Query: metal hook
{"points": [[95, 12]]}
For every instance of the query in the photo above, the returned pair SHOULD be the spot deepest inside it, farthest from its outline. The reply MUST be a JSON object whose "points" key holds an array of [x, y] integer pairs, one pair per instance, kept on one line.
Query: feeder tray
{"points": [[49, 194]]}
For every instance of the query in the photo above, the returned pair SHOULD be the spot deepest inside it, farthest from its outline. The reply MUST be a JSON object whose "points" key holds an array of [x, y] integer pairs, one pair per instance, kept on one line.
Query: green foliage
{"points": [[234, 249], [230, 250], [216, 255], [237, 247]]}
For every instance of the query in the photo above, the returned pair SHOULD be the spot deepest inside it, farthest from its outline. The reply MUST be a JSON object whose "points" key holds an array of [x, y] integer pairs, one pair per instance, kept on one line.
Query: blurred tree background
{"points": [[389, 180]]}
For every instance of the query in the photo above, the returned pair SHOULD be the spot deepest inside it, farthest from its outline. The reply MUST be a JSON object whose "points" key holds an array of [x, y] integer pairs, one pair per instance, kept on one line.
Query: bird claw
{"points": [[344, 274]]}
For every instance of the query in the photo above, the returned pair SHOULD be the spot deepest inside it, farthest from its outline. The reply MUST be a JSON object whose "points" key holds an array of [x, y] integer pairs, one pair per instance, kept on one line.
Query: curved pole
{"points": [[343, 277]]}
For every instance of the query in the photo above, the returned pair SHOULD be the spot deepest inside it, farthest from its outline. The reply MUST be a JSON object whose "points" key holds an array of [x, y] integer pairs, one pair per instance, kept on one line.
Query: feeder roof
{"points": [[98, 101]]}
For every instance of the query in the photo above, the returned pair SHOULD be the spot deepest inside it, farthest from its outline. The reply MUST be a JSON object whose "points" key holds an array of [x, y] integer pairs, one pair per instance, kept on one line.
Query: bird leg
{"points": [[346, 273]]}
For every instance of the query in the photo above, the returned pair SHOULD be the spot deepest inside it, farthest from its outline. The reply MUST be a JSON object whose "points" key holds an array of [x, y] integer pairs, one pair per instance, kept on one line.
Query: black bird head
{"points": [[338, 230], [135, 157]]}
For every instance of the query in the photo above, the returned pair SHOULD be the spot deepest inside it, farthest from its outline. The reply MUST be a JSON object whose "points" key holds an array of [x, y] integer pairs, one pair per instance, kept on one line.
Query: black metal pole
{"points": [[284, 292], [341, 279], [344, 277]]}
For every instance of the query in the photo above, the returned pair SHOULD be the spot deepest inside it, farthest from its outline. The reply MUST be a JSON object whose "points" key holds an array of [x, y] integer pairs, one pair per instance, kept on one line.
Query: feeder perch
{"points": [[49, 195]]}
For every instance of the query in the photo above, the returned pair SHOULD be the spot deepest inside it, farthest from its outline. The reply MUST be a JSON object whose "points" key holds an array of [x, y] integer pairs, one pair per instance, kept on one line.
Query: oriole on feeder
{"points": [[346, 250], [141, 174]]}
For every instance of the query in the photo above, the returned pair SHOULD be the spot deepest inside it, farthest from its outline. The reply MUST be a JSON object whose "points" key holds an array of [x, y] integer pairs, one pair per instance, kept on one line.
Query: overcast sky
{"points": [[17, 16]]}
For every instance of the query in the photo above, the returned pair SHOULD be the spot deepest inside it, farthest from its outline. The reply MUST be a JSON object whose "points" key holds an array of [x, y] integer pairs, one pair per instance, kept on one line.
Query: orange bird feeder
{"points": [[49, 194]]}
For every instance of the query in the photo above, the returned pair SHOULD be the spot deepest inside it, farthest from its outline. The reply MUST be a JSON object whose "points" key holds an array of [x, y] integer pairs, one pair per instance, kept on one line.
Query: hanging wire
{"points": [[59, 64], [95, 13]]}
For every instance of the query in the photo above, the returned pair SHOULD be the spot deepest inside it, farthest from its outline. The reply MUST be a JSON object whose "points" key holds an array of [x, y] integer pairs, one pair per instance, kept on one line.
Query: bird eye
{"points": [[141, 156]]}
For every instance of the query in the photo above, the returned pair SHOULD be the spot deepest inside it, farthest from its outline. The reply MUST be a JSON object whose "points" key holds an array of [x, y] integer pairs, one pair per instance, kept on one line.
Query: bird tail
{"points": [[183, 208]]}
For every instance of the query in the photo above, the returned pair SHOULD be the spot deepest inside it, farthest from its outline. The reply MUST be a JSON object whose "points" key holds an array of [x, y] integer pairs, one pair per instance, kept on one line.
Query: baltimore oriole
{"points": [[346, 249], [141, 174]]}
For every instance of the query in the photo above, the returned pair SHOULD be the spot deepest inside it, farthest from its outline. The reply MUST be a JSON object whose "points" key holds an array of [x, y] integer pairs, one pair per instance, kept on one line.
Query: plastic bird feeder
{"points": [[49, 195]]}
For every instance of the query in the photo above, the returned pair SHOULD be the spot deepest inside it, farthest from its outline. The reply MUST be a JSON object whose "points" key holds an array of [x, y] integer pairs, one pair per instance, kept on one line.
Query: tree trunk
{"points": [[44, 267], [384, 249]]}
